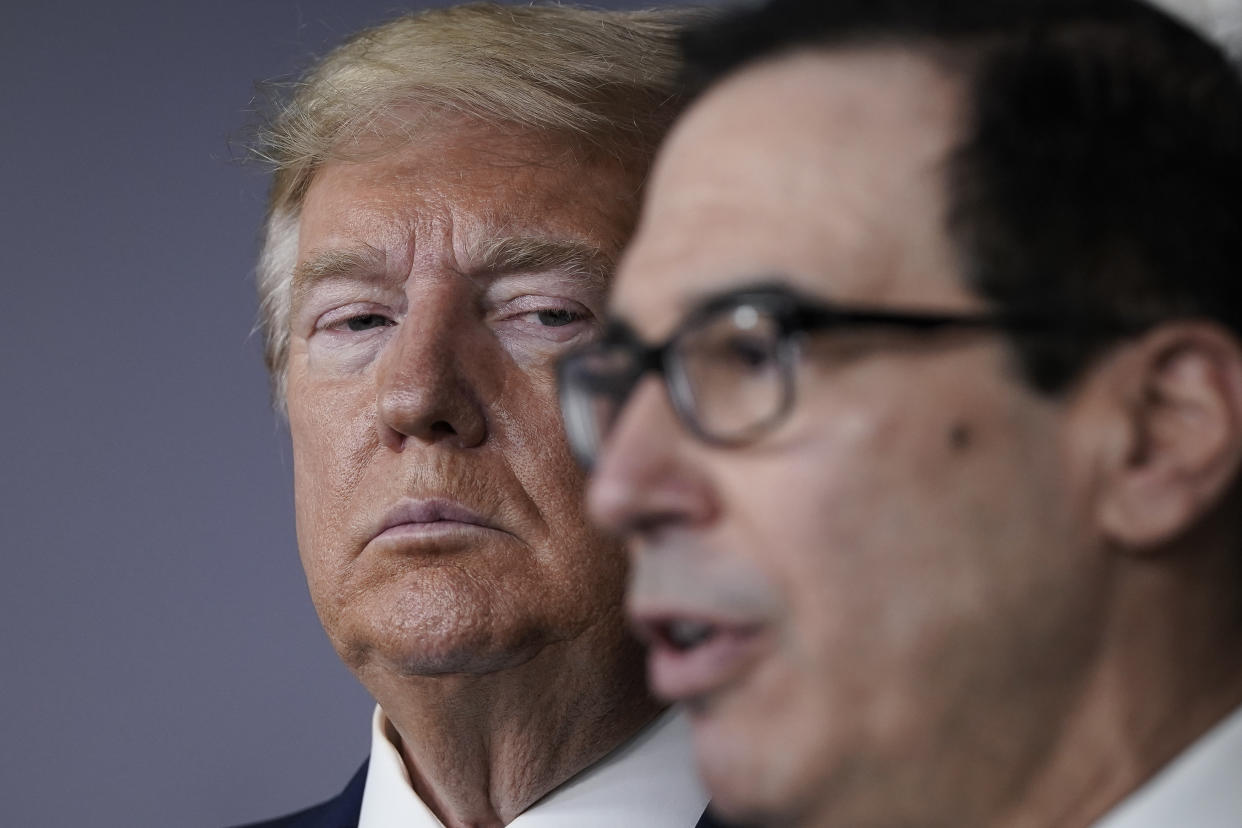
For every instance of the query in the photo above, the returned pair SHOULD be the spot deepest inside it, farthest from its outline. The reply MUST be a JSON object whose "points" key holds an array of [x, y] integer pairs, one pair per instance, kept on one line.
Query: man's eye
{"points": [[557, 318], [367, 321], [750, 353], [736, 355]]}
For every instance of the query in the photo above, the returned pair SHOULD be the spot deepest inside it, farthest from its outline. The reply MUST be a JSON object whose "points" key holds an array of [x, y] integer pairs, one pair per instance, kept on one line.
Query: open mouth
{"points": [[683, 634], [689, 657]]}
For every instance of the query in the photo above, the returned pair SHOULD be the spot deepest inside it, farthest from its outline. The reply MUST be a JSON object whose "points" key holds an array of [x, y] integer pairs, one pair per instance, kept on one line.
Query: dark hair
{"points": [[1100, 167]]}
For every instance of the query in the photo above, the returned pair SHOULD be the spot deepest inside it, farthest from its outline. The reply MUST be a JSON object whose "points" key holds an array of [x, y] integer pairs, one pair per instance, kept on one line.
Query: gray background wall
{"points": [[160, 663]]}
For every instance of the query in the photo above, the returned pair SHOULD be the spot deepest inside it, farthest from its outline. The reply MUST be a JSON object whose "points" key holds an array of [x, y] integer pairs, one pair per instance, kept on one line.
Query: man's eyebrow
{"points": [[524, 254], [350, 263]]}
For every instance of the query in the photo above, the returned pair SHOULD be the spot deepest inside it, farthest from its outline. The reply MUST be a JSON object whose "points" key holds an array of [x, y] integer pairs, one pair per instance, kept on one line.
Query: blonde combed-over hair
{"points": [[603, 79]]}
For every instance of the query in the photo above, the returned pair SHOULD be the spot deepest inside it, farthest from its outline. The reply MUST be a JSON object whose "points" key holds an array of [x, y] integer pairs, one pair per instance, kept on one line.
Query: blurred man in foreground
{"points": [[451, 190], [922, 406]]}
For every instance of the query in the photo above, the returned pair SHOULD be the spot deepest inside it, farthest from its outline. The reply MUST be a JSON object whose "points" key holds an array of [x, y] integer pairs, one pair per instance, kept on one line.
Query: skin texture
{"points": [[422, 366], [942, 580]]}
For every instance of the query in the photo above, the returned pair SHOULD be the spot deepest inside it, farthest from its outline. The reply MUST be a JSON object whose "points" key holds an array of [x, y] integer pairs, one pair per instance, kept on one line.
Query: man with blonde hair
{"points": [[450, 192]]}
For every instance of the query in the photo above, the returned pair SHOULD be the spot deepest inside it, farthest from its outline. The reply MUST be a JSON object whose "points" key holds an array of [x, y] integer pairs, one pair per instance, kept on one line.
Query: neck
{"points": [[1170, 669], [481, 749]]}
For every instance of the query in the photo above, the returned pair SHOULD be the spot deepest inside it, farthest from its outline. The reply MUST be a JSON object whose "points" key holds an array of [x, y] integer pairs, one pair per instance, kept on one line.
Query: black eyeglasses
{"points": [[729, 366]]}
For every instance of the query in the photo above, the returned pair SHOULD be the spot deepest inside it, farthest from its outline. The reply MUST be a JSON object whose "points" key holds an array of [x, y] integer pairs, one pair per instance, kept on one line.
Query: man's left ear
{"points": [[1183, 400]]}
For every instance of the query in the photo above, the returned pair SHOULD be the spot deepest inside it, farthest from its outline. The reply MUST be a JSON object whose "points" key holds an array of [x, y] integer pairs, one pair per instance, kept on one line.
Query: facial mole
{"points": [[960, 437]]}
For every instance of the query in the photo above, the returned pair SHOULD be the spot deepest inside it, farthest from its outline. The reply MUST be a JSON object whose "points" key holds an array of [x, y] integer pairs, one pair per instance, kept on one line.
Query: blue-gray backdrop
{"points": [[162, 664]]}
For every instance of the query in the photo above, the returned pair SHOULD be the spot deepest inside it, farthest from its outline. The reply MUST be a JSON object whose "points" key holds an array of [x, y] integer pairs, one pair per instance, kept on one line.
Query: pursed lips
{"points": [[422, 517]]}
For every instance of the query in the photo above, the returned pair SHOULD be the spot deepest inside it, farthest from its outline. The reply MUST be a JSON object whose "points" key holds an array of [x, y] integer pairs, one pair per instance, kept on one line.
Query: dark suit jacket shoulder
{"points": [[339, 812], [343, 811]]}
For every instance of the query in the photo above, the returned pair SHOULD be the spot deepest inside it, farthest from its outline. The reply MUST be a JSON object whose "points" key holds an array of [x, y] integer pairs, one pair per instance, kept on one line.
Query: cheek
{"points": [[858, 526], [527, 424], [819, 515], [867, 525], [902, 538], [812, 501], [333, 435], [583, 569]]}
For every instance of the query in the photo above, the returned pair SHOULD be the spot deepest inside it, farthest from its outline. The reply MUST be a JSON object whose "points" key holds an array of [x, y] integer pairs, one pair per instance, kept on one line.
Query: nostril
{"points": [[429, 412]]}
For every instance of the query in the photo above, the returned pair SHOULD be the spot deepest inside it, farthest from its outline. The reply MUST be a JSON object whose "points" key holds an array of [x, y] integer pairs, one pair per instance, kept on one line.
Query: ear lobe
{"points": [[1184, 403]]}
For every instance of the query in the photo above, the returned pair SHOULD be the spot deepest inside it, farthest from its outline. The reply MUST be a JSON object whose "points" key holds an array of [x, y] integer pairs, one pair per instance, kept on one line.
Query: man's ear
{"points": [[1180, 391]]}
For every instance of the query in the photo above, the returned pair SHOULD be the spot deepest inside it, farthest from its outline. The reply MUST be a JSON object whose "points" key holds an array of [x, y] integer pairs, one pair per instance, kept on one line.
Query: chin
{"points": [[431, 629], [751, 795], [755, 769], [731, 772], [453, 659], [431, 650]]}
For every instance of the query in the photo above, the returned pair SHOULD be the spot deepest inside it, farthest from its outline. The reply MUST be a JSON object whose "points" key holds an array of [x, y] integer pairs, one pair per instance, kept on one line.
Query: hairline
{"points": [[615, 102]]}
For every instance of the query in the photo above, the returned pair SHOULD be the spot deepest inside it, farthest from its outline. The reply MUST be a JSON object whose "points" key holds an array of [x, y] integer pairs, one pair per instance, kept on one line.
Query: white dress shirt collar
{"points": [[1201, 787], [648, 781]]}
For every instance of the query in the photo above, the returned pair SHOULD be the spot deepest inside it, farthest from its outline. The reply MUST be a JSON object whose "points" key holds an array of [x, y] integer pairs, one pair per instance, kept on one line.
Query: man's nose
{"points": [[646, 476], [424, 392]]}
